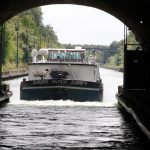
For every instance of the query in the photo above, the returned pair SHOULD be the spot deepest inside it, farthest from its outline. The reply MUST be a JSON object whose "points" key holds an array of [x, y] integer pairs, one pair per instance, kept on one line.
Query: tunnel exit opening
{"points": [[103, 48]]}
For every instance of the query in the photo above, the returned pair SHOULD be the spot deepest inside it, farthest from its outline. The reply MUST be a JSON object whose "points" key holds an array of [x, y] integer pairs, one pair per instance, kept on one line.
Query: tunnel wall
{"points": [[136, 71]]}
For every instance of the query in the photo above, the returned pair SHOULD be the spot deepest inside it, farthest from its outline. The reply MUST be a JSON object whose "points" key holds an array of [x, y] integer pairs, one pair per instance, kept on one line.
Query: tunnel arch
{"points": [[124, 11], [135, 15]]}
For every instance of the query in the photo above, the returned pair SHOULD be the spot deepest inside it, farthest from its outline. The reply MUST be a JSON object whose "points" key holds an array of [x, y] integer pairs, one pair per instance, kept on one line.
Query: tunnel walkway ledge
{"points": [[5, 93], [5, 97], [136, 102]]}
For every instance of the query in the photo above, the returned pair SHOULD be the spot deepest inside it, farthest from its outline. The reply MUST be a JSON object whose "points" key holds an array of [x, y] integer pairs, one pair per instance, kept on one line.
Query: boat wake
{"points": [[61, 103]]}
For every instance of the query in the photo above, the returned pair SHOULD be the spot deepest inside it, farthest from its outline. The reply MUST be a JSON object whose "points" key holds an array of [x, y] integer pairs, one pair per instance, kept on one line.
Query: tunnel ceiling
{"points": [[133, 13]]}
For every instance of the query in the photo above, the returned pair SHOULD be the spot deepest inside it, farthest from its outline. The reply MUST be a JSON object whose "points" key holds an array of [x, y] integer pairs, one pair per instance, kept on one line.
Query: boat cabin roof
{"points": [[64, 50]]}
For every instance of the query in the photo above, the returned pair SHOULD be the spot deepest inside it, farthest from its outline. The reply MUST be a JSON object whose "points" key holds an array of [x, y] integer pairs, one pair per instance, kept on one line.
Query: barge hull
{"points": [[61, 92]]}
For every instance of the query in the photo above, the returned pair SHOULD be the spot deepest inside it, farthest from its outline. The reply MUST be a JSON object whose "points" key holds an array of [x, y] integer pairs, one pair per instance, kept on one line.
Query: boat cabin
{"points": [[65, 55], [55, 55]]}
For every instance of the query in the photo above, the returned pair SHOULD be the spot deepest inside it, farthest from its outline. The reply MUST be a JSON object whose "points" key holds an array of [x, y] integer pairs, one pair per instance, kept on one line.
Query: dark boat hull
{"points": [[66, 90]]}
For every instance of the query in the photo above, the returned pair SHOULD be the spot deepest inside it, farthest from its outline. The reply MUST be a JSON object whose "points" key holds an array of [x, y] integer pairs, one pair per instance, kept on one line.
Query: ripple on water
{"points": [[69, 125]]}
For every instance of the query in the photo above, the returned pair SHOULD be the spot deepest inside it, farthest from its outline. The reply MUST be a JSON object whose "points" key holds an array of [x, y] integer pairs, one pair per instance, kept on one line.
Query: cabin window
{"points": [[55, 55], [66, 55], [50, 56], [79, 56], [62, 55]]}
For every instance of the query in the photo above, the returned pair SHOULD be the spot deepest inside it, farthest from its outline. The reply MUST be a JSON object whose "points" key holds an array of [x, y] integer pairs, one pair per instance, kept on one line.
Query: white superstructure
{"points": [[66, 60]]}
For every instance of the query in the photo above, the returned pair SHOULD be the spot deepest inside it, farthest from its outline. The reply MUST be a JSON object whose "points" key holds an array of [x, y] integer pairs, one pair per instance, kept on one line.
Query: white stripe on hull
{"points": [[62, 87]]}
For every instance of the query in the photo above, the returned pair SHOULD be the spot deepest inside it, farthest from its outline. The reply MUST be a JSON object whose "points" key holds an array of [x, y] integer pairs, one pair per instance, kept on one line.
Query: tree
{"points": [[31, 34]]}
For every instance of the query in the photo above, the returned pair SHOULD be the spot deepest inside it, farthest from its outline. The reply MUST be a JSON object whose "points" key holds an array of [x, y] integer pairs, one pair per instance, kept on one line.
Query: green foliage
{"points": [[31, 34], [112, 55], [118, 58]]}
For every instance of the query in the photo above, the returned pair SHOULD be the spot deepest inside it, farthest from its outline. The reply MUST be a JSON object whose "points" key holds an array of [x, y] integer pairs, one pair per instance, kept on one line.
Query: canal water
{"points": [[69, 125]]}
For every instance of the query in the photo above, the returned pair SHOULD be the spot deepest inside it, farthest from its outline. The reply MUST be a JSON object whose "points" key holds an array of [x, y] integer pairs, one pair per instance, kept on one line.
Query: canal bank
{"points": [[14, 74]]}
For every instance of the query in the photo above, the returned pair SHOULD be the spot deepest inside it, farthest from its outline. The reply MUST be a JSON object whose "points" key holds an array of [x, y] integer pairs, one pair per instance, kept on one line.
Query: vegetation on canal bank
{"points": [[21, 34]]}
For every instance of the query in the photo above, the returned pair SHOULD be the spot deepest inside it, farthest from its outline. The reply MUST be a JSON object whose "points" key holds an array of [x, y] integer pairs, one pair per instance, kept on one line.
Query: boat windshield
{"points": [[66, 55]]}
